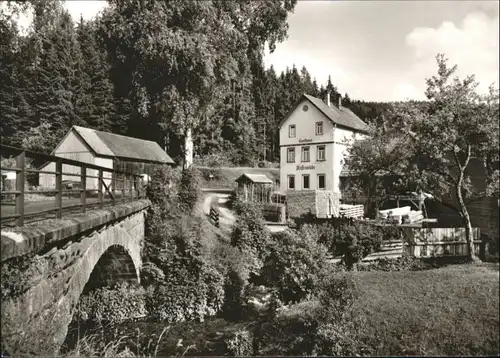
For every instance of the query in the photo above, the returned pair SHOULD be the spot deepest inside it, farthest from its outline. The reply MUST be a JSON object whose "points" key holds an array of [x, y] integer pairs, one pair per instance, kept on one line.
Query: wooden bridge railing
{"points": [[130, 183]]}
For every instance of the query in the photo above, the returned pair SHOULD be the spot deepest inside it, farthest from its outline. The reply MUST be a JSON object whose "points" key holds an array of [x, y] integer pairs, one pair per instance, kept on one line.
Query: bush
{"points": [[292, 332], [183, 280], [403, 263], [338, 323], [189, 191], [234, 308], [111, 305], [240, 343], [294, 264], [162, 189], [355, 242], [250, 235]]}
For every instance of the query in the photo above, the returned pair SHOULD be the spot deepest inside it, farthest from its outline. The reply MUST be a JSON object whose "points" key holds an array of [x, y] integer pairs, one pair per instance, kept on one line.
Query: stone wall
{"points": [[316, 202], [36, 321], [300, 202]]}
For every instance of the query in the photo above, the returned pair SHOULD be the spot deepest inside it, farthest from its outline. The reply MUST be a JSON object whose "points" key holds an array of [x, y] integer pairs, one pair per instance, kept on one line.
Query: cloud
{"points": [[473, 46], [87, 9]]}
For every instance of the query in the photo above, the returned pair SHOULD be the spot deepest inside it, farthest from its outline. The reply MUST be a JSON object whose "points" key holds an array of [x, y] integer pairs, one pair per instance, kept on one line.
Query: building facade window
{"points": [[305, 181], [321, 181], [321, 155], [290, 155], [291, 182], [305, 154], [291, 131], [319, 128]]}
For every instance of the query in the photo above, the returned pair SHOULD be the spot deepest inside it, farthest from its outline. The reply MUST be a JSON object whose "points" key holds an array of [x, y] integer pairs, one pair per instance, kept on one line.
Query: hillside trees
{"points": [[152, 70]]}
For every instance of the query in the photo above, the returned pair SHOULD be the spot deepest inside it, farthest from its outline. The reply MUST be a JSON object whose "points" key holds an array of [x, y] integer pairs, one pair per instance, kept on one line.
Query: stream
{"points": [[150, 338]]}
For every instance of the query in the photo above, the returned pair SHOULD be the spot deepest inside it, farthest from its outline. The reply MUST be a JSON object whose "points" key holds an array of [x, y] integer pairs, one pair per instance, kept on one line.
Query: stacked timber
{"points": [[352, 211], [413, 216], [398, 216]]}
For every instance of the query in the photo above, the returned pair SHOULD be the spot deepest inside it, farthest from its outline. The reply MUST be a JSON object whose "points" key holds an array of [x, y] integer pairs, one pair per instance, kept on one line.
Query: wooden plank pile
{"points": [[352, 211], [398, 216]]}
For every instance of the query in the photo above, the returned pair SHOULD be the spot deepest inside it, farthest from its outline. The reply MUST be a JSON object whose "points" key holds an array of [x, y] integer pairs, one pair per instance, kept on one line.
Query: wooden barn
{"points": [[255, 187], [107, 150]]}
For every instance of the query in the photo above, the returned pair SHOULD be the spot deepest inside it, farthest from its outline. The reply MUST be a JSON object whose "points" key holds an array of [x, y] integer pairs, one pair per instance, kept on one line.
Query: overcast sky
{"points": [[381, 50]]}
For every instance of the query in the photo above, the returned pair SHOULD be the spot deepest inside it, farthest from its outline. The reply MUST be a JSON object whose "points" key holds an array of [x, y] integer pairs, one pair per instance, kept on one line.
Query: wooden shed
{"points": [[107, 150], [255, 187]]}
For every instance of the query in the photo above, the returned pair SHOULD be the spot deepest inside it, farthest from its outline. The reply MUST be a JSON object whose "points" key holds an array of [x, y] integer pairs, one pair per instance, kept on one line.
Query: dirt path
{"points": [[219, 202]]}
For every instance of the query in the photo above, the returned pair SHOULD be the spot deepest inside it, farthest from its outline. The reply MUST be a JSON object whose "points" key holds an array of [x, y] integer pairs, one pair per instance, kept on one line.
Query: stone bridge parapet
{"points": [[54, 261]]}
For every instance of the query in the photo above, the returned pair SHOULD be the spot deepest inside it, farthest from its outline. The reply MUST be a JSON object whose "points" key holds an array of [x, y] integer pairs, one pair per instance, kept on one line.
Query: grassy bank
{"points": [[224, 177], [448, 311]]}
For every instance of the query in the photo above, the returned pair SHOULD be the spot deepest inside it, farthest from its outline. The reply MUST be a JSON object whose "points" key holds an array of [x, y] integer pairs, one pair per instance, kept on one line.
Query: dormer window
{"points": [[319, 128], [291, 131]]}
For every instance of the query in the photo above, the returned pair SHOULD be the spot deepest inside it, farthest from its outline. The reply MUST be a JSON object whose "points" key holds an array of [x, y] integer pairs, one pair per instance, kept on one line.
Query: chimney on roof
{"points": [[338, 100], [327, 100]]}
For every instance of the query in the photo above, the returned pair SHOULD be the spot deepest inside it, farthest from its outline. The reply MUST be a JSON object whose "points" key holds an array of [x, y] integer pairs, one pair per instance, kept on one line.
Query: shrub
{"points": [[250, 235], [183, 281], [403, 263], [240, 343], [338, 324], [356, 241], [291, 332], [111, 305], [189, 191], [234, 308], [294, 264]]}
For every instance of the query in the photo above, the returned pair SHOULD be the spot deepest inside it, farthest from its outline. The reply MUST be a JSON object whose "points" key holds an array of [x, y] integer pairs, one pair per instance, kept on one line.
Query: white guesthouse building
{"points": [[313, 144]]}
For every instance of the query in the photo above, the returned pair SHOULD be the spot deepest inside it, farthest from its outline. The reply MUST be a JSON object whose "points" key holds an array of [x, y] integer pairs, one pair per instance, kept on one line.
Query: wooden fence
{"points": [[439, 242], [130, 186]]}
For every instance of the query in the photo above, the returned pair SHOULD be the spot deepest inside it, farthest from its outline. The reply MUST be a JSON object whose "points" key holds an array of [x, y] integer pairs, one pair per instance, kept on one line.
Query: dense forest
{"points": [[152, 70]]}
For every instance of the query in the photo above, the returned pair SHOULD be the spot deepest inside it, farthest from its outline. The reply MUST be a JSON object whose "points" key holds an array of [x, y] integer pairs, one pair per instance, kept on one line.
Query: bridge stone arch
{"points": [[40, 317]]}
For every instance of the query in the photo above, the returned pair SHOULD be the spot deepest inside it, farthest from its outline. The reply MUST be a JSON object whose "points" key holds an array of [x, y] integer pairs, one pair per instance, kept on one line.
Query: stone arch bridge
{"points": [[46, 266]]}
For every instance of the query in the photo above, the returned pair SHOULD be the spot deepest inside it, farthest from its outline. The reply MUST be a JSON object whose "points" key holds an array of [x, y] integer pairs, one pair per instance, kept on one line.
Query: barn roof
{"points": [[255, 178], [342, 116], [123, 147]]}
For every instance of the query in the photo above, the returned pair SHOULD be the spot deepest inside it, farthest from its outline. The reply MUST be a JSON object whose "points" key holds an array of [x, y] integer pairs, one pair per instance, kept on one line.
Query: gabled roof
{"points": [[114, 145], [342, 116], [255, 178]]}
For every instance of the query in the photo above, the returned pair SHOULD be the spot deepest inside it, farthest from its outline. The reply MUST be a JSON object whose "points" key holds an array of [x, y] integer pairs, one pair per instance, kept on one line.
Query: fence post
{"points": [[131, 186], [136, 187], [113, 186], [124, 181], [59, 188], [83, 187], [20, 176], [99, 188]]}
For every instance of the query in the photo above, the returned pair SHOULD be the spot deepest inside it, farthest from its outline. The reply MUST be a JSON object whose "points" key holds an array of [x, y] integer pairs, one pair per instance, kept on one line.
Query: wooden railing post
{"points": [[131, 186], [124, 180], [20, 177], [113, 186], [59, 188], [136, 187], [83, 187], [99, 187]]}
